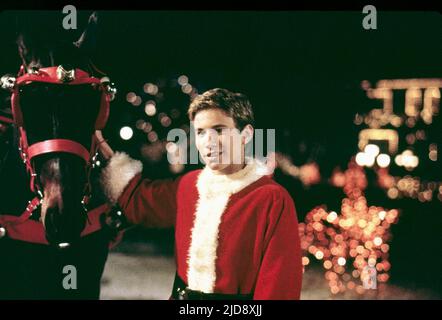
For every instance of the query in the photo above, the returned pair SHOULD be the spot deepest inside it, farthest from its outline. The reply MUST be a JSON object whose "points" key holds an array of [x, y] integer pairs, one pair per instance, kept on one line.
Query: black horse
{"points": [[52, 111]]}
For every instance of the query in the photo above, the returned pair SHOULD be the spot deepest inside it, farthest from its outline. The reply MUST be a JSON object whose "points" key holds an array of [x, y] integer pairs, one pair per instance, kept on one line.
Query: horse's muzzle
{"points": [[63, 229]]}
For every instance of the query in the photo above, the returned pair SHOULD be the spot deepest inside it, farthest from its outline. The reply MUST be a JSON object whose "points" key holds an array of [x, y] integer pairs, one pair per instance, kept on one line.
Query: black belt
{"points": [[182, 292]]}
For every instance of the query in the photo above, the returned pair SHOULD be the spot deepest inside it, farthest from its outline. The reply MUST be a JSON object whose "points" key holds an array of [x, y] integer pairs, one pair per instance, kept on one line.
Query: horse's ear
{"points": [[23, 49], [88, 39]]}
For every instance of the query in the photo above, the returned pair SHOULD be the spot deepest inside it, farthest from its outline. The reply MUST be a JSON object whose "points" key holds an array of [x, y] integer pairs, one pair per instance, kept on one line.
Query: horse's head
{"points": [[57, 106]]}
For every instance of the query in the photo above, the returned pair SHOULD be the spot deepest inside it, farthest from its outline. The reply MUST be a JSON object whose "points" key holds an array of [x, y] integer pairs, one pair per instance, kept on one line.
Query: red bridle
{"points": [[58, 75]]}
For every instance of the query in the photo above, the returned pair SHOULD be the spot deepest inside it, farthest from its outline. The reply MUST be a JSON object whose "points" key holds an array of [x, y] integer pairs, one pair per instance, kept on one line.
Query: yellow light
{"points": [[339, 238], [341, 261], [396, 121], [130, 97], [369, 245], [409, 83], [407, 160], [398, 160], [372, 262], [319, 255], [392, 193], [435, 93], [332, 216], [305, 261], [420, 135], [428, 195], [362, 223], [165, 121], [150, 108], [414, 162], [370, 161], [137, 101], [372, 150], [360, 290], [126, 133], [171, 147], [364, 159], [187, 88], [150, 88], [382, 214], [140, 124], [410, 122], [327, 264], [383, 160], [147, 127], [360, 159], [411, 139], [183, 80], [433, 155], [334, 290], [377, 241], [351, 285], [152, 136]]}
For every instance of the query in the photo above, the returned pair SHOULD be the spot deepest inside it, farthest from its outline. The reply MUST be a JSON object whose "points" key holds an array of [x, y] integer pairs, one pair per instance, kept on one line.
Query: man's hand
{"points": [[103, 147]]}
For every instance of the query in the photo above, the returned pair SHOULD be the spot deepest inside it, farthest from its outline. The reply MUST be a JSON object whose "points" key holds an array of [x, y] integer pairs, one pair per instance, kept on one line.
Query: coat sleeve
{"points": [[280, 273], [151, 203]]}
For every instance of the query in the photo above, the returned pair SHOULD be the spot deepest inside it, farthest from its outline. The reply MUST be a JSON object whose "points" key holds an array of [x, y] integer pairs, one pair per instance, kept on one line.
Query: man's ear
{"points": [[247, 134]]}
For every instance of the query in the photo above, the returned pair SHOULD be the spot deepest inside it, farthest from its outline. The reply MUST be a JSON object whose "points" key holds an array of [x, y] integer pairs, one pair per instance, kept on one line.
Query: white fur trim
{"points": [[117, 175], [214, 193]]}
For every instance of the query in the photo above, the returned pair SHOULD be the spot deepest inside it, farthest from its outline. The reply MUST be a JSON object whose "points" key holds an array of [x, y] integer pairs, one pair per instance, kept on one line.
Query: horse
{"points": [[55, 230]]}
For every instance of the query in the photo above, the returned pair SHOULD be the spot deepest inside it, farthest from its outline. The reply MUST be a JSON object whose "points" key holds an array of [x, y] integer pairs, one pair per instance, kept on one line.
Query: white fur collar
{"points": [[117, 175], [211, 184], [214, 193]]}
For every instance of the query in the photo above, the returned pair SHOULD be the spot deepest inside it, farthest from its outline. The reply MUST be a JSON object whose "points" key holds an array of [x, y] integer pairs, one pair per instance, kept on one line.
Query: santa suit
{"points": [[234, 234]]}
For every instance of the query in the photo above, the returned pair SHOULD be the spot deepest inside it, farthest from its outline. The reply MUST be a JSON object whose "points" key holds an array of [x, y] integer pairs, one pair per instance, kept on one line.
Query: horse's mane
{"points": [[43, 41]]}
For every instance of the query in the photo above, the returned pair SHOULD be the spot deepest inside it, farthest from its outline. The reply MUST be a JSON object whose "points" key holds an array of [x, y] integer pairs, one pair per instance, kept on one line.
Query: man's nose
{"points": [[211, 139]]}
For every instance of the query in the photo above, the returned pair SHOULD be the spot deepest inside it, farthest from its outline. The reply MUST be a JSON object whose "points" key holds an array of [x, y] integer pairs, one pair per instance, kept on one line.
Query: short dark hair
{"points": [[235, 105]]}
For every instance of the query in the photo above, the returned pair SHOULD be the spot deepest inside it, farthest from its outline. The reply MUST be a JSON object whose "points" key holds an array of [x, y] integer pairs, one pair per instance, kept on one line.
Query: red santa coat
{"points": [[234, 234]]}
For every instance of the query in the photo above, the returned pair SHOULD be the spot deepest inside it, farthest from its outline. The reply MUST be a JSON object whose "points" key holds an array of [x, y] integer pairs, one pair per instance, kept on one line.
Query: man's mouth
{"points": [[213, 155]]}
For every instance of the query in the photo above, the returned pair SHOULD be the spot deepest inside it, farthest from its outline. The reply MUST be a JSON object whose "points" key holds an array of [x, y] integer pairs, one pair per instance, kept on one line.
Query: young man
{"points": [[236, 231]]}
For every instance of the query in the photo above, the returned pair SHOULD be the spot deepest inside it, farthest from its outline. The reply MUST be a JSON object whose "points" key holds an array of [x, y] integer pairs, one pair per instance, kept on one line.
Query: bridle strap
{"points": [[49, 146], [32, 205], [58, 145], [57, 75], [49, 75], [6, 120]]}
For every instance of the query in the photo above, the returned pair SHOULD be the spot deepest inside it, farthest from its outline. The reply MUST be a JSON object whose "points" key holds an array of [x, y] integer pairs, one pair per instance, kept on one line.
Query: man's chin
{"points": [[216, 166]]}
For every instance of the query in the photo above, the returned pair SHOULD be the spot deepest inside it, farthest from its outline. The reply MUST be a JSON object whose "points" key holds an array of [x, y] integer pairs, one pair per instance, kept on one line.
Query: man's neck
{"points": [[230, 169]]}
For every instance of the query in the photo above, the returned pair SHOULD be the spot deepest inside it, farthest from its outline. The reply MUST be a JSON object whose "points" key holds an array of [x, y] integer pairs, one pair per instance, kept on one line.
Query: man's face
{"points": [[218, 141]]}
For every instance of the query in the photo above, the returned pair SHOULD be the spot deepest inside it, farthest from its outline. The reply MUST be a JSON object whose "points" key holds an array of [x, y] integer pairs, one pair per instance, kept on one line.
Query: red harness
{"points": [[21, 227], [57, 75]]}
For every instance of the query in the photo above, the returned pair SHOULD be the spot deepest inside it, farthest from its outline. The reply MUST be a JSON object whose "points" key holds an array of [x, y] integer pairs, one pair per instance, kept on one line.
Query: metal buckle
{"points": [[182, 294], [65, 75], [7, 82]]}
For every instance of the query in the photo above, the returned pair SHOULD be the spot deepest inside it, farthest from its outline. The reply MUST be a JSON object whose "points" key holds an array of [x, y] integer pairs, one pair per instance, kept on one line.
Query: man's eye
{"points": [[201, 133]]}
